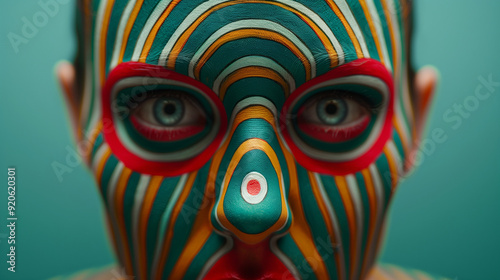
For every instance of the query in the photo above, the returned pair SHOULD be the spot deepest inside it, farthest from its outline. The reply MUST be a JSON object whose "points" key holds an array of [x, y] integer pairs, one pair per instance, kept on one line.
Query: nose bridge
{"points": [[251, 203]]}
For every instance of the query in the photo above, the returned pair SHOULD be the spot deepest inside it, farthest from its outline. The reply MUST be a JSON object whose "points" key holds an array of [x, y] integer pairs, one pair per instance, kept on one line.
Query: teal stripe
{"points": [[237, 49], [387, 32], [144, 13], [214, 243], [366, 215], [253, 218], [128, 206], [184, 223], [97, 143], [333, 195], [163, 200], [384, 172], [245, 88], [109, 167], [365, 28], [287, 245], [316, 222], [114, 21]]}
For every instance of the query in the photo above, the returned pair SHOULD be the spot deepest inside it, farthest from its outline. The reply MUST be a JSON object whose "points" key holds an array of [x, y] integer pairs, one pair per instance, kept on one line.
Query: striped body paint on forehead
{"points": [[180, 201]]}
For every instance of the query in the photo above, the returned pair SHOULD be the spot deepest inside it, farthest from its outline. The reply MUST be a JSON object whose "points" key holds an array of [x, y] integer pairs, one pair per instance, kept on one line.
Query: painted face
{"points": [[249, 139]]}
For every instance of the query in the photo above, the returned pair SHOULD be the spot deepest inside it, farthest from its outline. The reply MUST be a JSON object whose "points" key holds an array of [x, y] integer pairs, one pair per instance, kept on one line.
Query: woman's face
{"points": [[246, 139]]}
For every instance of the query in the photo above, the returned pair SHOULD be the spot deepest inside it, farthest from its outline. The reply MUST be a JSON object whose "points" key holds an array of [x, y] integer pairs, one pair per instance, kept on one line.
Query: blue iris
{"points": [[331, 110], [168, 110]]}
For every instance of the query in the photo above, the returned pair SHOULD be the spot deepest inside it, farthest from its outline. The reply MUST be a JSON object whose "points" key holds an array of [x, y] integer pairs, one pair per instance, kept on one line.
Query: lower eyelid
{"points": [[161, 133]]}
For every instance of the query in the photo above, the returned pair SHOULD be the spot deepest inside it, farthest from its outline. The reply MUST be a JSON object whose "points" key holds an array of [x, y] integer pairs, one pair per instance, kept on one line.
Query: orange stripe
{"points": [[104, 34], [185, 36], [392, 167], [202, 228], [299, 229], [256, 33], [372, 199], [147, 204], [390, 24], [128, 28], [348, 28], [253, 71], [245, 147], [100, 166], [404, 141], [368, 16], [327, 219], [119, 196], [154, 30], [92, 138], [351, 217], [175, 213]]}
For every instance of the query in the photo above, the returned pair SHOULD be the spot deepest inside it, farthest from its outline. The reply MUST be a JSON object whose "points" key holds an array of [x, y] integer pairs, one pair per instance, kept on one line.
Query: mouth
{"points": [[249, 262]]}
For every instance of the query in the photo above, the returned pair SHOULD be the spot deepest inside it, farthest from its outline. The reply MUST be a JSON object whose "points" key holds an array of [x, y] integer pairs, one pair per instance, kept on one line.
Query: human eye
{"points": [[338, 123], [160, 122], [169, 116], [334, 117]]}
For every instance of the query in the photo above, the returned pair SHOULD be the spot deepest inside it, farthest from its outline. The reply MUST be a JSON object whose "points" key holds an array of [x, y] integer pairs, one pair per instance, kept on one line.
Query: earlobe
{"points": [[66, 75]]}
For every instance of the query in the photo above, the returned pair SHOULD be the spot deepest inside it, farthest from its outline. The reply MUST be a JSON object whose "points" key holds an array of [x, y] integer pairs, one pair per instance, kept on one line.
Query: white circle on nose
{"points": [[254, 188]]}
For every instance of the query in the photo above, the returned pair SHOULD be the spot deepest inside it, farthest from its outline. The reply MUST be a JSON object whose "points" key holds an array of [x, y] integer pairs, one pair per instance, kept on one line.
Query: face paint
{"points": [[246, 138]]}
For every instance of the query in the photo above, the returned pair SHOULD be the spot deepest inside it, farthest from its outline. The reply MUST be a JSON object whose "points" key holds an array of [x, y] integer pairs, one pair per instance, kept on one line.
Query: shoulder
{"points": [[110, 272], [392, 272]]}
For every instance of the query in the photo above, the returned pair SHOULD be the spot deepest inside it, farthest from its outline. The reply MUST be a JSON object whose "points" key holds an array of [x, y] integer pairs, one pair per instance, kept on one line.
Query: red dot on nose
{"points": [[253, 187]]}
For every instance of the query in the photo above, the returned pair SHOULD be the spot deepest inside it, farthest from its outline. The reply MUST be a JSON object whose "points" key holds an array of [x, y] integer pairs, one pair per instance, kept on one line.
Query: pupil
{"points": [[331, 108], [169, 109]]}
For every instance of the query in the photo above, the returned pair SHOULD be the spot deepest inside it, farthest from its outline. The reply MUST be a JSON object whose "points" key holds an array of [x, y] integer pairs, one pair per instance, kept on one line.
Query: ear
{"points": [[424, 87], [66, 74], [425, 83]]}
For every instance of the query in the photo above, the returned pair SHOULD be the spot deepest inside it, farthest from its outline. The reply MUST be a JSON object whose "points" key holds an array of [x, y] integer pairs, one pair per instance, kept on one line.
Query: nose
{"points": [[251, 203]]}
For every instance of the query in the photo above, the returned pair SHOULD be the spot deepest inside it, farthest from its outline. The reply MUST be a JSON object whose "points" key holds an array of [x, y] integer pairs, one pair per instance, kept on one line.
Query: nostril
{"points": [[254, 188]]}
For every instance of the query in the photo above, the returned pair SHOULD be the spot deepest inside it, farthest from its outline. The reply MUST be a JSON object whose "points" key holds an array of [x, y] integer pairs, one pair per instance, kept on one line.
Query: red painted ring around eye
{"points": [[365, 66], [135, 162]]}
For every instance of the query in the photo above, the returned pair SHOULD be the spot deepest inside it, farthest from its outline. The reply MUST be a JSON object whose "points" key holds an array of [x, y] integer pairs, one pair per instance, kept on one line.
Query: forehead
{"points": [[203, 39]]}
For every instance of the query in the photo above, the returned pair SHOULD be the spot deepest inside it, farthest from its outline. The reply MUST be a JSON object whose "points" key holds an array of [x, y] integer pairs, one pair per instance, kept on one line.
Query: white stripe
{"points": [[253, 100], [148, 26], [253, 23], [205, 6], [400, 76], [346, 11], [396, 156], [96, 113], [140, 191], [254, 61], [113, 181], [215, 257], [99, 155], [379, 194], [379, 33], [120, 32], [336, 227], [273, 244], [165, 220], [353, 187]]}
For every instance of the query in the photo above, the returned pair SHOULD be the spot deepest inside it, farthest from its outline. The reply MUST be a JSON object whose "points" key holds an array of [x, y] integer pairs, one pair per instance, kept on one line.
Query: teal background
{"points": [[444, 219]]}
